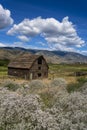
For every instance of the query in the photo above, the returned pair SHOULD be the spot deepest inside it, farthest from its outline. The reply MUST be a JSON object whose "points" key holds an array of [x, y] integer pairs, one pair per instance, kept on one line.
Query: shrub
{"points": [[24, 89], [58, 82], [36, 84], [23, 113], [73, 87], [76, 86], [49, 96], [18, 112], [70, 111], [4, 62], [83, 89], [11, 86], [82, 80], [47, 99]]}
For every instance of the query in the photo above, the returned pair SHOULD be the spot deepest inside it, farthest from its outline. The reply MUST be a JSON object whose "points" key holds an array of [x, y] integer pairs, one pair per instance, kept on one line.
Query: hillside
{"points": [[51, 56]]}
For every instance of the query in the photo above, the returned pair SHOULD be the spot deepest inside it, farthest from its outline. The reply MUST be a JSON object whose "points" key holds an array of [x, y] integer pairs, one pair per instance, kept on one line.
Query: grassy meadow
{"points": [[66, 71], [3, 68], [3, 71]]}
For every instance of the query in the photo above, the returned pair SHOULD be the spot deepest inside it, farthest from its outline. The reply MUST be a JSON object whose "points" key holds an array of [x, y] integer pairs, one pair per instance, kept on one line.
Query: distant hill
{"points": [[51, 56]]}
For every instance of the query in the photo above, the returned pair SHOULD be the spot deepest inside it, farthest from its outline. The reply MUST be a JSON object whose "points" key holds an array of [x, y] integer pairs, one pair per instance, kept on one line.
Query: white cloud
{"points": [[17, 44], [84, 52], [63, 48], [23, 38], [5, 17], [2, 45], [56, 33], [41, 43]]}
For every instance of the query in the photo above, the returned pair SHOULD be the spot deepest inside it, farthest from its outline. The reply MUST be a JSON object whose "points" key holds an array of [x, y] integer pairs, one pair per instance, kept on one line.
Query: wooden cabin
{"points": [[29, 67]]}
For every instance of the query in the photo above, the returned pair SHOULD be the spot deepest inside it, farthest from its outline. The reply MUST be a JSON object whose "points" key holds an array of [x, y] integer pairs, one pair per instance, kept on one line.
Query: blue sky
{"points": [[44, 24]]}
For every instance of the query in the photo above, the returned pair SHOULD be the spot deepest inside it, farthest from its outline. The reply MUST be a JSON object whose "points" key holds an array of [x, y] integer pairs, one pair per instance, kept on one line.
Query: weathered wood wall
{"points": [[36, 70], [43, 71], [18, 72]]}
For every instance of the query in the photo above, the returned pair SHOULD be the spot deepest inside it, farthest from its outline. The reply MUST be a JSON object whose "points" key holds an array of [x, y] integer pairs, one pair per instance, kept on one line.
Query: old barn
{"points": [[28, 67]]}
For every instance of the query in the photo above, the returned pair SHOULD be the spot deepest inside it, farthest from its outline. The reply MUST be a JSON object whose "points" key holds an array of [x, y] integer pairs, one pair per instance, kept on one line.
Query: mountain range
{"points": [[55, 57]]}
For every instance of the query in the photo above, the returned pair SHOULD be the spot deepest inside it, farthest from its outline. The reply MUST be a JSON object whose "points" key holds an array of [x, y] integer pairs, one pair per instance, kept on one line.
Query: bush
{"points": [[47, 99], [70, 111], [11, 86], [83, 89], [82, 80], [18, 112], [73, 87], [23, 113], [4, 62], [76, 86], [49, 96], [58, 82], [36, 84], [24, 89]]}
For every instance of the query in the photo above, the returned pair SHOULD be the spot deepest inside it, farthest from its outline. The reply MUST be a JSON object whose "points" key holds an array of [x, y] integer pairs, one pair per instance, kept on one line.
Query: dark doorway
{"points": [[39, 74]]}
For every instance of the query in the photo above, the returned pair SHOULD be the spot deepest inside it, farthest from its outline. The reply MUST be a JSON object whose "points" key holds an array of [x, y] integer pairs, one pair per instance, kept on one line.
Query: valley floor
{"points": [[55, 71]]}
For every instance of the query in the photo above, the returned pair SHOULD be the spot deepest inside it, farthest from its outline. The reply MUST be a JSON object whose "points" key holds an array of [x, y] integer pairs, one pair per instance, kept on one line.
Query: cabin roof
{"points": [[24, 62]]}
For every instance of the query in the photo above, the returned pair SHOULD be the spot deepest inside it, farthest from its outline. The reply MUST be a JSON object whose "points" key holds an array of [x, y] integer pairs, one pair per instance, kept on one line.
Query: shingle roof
{"points": [[25, 61]]}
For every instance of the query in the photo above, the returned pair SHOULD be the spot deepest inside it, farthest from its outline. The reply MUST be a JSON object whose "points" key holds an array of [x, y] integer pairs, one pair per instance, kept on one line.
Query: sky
{"points": [[44, 24]]}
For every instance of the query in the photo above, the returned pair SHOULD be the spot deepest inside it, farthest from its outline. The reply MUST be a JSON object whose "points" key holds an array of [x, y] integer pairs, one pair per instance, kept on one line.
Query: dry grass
{"points": [[55, 71], [71, 79]]}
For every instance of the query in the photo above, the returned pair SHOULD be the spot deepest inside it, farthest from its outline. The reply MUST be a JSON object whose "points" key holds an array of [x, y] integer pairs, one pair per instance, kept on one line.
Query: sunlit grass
{"points": [[3, 71], [57, 71], [66, 71]]}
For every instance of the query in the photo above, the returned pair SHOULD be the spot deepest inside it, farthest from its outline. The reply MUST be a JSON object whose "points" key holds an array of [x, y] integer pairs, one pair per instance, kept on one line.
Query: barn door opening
{"points": [[39, 75]]}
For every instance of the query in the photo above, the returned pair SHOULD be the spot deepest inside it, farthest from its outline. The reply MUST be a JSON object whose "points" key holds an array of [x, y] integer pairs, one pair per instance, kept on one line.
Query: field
{"points": [[3, 71], [65, 71], [48, 104]]}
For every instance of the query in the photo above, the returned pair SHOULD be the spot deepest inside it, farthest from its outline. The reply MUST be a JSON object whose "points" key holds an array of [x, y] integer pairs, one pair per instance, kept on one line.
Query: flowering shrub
{"points": [[82, 80], [57, 88], [36, 85], [74, 87], [19, 112], [11, 86], [59, 82], [70, 111], [25, 112], [24, 89], [83, 89]]}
